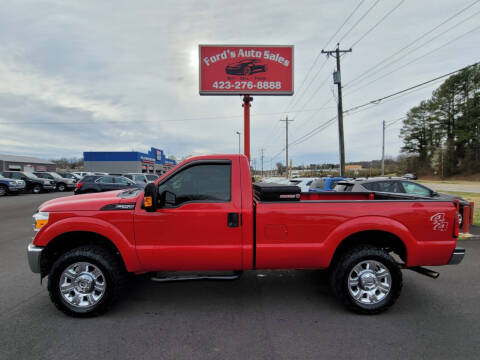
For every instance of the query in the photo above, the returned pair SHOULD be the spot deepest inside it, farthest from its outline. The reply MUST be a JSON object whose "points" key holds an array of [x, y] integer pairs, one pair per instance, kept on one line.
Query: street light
{"points": [[239, 149]]}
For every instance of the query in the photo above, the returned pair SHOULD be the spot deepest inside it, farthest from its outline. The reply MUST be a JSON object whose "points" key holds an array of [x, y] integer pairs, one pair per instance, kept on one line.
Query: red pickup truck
{"points": [[206, 217]]}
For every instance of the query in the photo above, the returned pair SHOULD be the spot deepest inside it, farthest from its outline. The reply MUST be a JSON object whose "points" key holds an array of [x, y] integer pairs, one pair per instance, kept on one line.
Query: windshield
{"points": [[55, 175], [30, 175]]}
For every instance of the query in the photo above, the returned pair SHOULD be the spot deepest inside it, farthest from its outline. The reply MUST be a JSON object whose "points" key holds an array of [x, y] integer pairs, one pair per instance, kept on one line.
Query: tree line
{"points": [[441, 135]]}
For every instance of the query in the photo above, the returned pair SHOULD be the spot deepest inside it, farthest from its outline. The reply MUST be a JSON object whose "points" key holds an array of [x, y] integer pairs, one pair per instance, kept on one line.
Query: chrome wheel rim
{"points": [[369, 282], [82, 285]]}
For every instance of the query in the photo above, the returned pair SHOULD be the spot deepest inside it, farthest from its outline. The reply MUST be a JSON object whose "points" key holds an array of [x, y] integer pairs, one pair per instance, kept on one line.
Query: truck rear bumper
{"points": [[34, 255], [457, 256]]}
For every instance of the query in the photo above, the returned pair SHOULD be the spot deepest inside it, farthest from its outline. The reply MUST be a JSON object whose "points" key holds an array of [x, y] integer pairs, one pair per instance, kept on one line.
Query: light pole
{"points": [[239, 148]]}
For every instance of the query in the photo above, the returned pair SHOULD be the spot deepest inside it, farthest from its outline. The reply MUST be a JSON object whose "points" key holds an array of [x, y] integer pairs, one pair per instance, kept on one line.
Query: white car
{"points": [[303, 183]]}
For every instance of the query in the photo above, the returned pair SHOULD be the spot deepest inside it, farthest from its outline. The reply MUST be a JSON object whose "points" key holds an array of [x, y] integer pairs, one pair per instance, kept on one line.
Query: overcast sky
{"points": [[123, 75]]}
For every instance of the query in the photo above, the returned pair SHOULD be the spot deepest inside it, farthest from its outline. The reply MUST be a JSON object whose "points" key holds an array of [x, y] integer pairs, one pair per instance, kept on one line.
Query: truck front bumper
{"points": [[457, 256], [34, 256]]}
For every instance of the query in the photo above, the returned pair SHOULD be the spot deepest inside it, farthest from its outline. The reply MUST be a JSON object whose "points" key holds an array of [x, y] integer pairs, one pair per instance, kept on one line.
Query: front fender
{"points": [[92, 225], [368, 223]]}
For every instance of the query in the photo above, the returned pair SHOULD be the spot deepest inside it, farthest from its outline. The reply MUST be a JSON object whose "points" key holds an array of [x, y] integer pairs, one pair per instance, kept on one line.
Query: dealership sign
{"points": [[243, 69]]}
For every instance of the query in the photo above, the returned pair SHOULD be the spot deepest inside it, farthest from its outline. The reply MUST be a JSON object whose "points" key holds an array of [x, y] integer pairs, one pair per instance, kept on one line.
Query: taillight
{"points": [[472, 209], [456, 222], [78, 186]]}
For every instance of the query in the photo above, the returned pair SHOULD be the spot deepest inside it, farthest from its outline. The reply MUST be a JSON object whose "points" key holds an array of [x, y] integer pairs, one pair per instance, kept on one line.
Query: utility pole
{"points": [[239, 147], [383, 149], [286, 144], [337, 79], [262, 150]]}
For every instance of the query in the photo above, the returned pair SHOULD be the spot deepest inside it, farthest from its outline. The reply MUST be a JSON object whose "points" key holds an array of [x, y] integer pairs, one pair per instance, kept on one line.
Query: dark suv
{"points": [[61, 183], [100, 183], [399, 186], [32, 182]]}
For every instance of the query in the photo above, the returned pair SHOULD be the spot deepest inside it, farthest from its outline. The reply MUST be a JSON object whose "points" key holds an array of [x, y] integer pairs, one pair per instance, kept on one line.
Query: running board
{"points": [[170, 277]]}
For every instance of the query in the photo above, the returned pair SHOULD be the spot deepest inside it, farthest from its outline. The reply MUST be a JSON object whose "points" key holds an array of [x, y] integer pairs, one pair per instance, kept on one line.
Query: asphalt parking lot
{"points": [[263, 315]]}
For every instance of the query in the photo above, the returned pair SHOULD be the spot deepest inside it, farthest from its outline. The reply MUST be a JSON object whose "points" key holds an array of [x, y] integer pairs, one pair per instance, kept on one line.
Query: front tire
{"points": [[85, 281], [3, 190], [61, 187], [366, 279], [37, 189]]}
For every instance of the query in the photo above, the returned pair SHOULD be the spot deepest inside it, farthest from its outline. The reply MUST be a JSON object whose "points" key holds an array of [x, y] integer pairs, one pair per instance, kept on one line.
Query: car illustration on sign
{"points": [[246, 67]]}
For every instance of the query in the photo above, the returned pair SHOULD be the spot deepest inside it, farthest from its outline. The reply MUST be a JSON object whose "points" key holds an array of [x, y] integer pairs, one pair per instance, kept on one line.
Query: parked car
{"points": [[325, 184], [140, 177], [246, 67], [152, 177], [206, 216], [303, 183], [68, 175], [100, 183], [61, 183], [10, 186], [276, 180], [32, 182], [410, 176], [82, 173], [399, 186]]}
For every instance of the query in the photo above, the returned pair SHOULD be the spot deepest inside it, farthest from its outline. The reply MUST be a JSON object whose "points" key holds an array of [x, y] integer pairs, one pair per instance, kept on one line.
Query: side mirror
{"points": [[150, 197], [168, 198], [433, 193]]}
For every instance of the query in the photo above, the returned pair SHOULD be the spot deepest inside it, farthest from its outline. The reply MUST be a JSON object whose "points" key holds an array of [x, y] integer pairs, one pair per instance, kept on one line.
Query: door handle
{"points": [[232, 220]]}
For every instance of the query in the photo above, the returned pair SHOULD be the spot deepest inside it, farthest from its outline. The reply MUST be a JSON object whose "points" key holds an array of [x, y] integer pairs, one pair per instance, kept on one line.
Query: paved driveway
{"points": [[473, 187], [264, 315]]}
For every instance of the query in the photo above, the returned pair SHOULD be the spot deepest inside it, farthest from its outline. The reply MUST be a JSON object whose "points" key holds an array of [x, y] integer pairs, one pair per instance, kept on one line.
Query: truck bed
{"points": [[305, 233]]}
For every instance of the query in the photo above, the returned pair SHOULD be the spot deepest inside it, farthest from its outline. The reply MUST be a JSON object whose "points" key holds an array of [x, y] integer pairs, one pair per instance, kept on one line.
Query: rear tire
{"points": [[366, 279], [37, 189], [86, 281]]}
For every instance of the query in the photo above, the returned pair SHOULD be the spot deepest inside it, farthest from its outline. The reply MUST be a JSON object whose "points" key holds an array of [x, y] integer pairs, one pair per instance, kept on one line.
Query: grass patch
{"points": [[475, 197]]}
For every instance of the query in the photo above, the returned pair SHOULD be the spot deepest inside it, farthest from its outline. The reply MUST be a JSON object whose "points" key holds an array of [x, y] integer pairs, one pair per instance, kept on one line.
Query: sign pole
{"points": [[247, 99]]}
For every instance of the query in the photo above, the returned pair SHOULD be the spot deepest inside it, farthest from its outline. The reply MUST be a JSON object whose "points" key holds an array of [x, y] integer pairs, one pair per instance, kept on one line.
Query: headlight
{"points": [[40, 219], [12, 183]]}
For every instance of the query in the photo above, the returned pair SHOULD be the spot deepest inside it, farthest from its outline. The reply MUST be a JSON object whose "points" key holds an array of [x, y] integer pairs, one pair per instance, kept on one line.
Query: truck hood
{"points": [[90, 202]]}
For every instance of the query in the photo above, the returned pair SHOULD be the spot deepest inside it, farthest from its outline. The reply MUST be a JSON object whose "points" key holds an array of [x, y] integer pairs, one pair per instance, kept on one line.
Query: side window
{"points": [[412, 188], [140, 178], [105, 180], [332, 184], [372, 186], [16, 175], [319, 184], [121, 180], [210, 182]]}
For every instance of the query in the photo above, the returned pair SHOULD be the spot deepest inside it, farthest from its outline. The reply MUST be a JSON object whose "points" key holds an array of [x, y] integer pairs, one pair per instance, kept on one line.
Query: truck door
{"points": [[200, 228]]}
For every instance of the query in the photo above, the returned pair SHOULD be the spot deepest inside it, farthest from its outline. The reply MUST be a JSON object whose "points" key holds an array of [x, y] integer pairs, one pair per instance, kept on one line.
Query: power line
{"points": [[354, 109], [375, 67], [410, 88], [414, 60], [152, 121], [362, 17], [378, 23], [392, 122], [320, 53]]}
